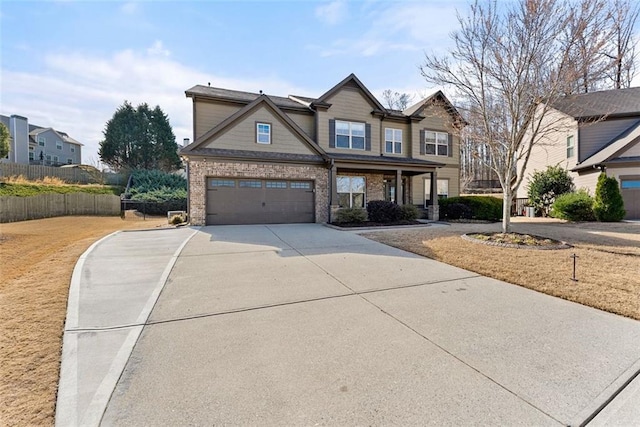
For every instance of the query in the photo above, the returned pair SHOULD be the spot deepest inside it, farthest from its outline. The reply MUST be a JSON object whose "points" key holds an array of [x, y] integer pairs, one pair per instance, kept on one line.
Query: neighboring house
{"points": [[593, 132], [32, 144], [268, 159]]}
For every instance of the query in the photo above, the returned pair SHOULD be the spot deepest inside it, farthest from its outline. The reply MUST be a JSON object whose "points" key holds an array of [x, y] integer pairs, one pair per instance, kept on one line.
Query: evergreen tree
{"points": [[139, 138], [608, 205], [4, 141]]}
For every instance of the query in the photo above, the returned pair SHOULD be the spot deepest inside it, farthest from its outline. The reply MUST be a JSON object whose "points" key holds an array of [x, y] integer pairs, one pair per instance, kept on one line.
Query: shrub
{"points": [[383, 211], [409, 213], [176, 219], [576, 206], [456, 211], [351, 215], [546, 185], [608, 205], [157, 191], [485, 208]]}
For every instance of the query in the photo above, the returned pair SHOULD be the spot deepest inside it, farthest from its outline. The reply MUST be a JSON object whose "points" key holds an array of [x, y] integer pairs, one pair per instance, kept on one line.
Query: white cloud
{"points": [[78, 92], [332, 13], [130, 8], [158, 49], [407, 26]]}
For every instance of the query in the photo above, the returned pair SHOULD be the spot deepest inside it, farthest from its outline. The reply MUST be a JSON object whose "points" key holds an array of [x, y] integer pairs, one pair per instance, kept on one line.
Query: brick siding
{"points": [[200, 169]]}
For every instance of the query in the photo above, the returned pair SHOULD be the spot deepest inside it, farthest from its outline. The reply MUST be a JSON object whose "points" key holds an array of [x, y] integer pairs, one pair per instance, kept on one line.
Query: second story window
{"points": [[73, 150], [59, 145], [570, 147], [41, 141], [350, 135], [263, 133], [436, 143], [393, 141]]}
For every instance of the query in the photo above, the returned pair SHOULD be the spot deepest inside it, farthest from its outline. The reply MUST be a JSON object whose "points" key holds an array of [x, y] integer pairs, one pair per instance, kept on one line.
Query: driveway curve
{"points": [[303, 324]]}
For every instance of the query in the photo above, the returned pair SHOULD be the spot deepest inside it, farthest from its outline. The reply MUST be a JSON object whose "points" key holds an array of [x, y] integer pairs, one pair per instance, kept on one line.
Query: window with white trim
{"points": [[223, 183], [436, 143], [276, 184], [250, 184], [570, 147], [41, 141], [56, 159], [59, 145], [263, 133], [69, 161], [73, 149], [351, 191], [393, 141], [350, 135], [31, 155]]}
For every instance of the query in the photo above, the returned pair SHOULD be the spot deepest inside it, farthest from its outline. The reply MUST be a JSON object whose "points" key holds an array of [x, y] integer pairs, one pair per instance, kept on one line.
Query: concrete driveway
{"points": [[303, 325]]}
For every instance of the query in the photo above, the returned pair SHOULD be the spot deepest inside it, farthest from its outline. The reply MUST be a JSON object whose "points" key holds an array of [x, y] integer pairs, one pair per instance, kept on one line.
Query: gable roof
{"points": [[350, 80], [615, 147], [439, 96], [244, 111], [240, 96], [613, 103]]}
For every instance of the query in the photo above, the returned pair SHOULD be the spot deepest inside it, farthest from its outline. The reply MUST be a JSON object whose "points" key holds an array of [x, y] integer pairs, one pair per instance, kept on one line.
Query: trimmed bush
{"points": [[576, 206], [485, 208], [608, 205], [383, 211], [457, 211], [351, 215], [546, 185], [158, 192], [409, 213]]}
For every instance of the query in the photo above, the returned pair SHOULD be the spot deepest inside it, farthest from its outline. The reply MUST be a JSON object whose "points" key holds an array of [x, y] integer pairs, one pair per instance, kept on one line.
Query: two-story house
{"points": [[258, 158], [32, 144], [590, 133]]}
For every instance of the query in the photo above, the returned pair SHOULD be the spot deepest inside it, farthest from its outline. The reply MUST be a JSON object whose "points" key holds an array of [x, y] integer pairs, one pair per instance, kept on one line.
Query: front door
{"points": [[389, 186]]}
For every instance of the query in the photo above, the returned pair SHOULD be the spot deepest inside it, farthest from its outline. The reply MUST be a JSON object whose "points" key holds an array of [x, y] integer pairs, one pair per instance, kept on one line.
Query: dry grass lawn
{"points": [[608, 265], [37, 259]]}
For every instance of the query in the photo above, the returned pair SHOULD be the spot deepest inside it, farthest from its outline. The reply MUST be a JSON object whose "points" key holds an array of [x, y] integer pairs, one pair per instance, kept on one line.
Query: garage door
{"points": [[630, 189], [259, 201]]}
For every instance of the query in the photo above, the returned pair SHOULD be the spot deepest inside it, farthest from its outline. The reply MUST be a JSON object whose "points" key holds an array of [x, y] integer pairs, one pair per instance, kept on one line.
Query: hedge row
{"points": [[471, 207]]}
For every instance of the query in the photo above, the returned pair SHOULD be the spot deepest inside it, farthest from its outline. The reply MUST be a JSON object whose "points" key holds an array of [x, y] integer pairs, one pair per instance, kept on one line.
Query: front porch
{"points": [[355, 182]]}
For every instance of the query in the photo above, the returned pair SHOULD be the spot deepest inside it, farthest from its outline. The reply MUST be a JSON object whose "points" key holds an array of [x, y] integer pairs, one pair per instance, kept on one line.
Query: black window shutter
{"points": [[422, 148], [450, 150], [332, 133], [367, 137]]}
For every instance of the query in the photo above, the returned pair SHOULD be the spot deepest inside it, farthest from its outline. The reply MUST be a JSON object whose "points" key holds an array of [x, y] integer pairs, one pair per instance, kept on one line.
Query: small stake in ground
{"points": [[574, 256]]}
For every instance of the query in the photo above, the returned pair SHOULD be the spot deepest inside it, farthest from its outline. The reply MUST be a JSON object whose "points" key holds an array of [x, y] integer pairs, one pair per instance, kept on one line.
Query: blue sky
{"points": [[69, 64]]}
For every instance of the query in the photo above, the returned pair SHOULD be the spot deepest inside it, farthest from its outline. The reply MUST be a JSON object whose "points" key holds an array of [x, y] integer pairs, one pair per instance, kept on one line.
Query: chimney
{"points": [[185, 142]]}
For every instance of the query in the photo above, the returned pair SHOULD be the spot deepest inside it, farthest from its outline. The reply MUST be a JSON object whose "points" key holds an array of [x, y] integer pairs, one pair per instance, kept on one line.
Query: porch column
{"points": [[434, 210], [334, 185], [399, 187]]}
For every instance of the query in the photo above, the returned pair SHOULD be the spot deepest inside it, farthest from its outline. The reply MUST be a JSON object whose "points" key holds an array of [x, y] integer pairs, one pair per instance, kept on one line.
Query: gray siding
{"points": [[19, 145], [593, 137], [50, 148]]}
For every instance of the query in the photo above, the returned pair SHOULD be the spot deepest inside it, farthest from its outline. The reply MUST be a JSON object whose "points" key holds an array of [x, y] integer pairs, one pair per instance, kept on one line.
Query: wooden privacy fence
{"points": [[70, 175], [14, 208]]}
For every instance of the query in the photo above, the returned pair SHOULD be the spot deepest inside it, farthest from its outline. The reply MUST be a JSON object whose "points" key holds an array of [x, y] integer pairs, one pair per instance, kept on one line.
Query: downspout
{"points": [[330, 187]]}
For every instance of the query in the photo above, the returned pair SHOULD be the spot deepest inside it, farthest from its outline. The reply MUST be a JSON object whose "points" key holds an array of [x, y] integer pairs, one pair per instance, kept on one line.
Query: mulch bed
{"points": [[374, 224], [516, 240]]}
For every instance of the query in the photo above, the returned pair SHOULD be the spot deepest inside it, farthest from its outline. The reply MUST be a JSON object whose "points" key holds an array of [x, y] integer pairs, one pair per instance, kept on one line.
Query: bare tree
{"points": [[622, 49], [509, 65], [396, 100]]}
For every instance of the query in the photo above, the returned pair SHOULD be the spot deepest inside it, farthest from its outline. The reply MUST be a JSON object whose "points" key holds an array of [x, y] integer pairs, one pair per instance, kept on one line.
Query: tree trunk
{"points": [[507, 196]]}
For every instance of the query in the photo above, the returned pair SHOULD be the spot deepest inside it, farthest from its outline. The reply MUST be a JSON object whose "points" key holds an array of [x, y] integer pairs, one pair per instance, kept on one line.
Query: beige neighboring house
{"points": [[258, 158], [594, 132]]}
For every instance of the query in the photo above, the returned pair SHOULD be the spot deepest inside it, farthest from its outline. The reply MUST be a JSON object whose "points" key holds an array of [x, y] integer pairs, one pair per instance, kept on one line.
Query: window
{"points": [[55, 159], [69, 161], [570, 146], [301, 185], [41, 141], [443, 189], [436, 143], [31, 155], [48, 157], [250, 184], [393, 141], [276, 184], [73, 149], [630, 183], [59, 145], [351, 191], [350, 135], [263, 133], [223, 183]]}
